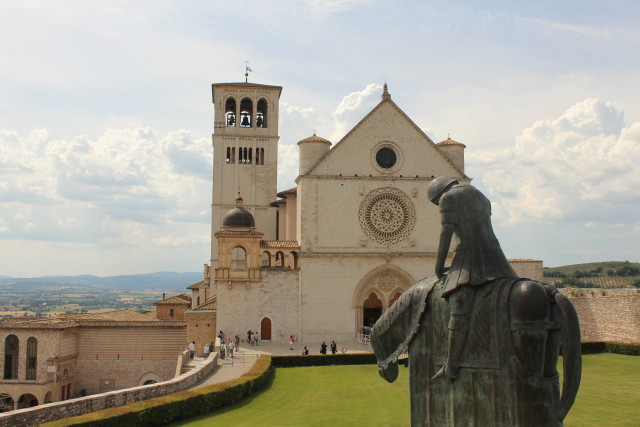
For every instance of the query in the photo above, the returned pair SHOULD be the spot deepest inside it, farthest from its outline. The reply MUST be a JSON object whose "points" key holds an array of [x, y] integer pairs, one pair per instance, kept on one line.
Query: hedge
{"points": [[323, 360], [178, 406], [632, 349]]}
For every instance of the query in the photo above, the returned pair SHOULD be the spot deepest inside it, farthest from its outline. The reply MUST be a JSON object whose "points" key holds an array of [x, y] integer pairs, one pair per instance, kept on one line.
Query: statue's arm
{"points": [[443, 248]]}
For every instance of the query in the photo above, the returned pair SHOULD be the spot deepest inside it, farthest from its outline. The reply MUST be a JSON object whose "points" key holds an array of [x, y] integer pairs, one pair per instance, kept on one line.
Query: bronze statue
{"points": [[482, 343]]}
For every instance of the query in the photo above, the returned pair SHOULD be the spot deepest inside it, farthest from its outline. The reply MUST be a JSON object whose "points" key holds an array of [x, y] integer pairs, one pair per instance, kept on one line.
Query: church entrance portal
{"points": [[371, 311], [265, 329]]}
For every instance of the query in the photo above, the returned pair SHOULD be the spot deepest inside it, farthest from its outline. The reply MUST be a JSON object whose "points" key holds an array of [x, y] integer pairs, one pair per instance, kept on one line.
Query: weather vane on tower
{"points": [[246, 71]]}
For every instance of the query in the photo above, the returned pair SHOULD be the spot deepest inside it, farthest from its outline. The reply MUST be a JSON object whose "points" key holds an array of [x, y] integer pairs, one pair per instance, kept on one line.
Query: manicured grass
{"points": [[609, 392], [355, 395]]}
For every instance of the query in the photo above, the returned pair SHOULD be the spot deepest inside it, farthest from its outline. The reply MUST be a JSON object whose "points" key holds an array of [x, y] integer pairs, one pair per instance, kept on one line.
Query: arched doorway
{"points": [[375, 292], [371, 311], [265, 329], [27, 401], [6, 402]]}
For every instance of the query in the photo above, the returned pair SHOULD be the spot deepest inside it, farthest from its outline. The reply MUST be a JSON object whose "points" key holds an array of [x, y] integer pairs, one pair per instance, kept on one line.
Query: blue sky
{"points": [[106, 116]]}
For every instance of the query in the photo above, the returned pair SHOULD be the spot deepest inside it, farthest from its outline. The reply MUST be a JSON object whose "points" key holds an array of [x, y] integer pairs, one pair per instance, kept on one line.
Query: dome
{"points": [[238, 217], [315, 139]]}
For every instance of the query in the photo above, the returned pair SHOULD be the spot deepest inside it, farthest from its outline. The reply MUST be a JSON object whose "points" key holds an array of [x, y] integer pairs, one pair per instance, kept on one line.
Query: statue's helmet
{"points": [[438, 186]]}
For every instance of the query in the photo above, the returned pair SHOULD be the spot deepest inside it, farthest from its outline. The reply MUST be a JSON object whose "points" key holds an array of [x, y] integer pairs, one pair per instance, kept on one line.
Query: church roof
{"points": [[279, 244], [386, 99], [524, 260], [238, 216]]}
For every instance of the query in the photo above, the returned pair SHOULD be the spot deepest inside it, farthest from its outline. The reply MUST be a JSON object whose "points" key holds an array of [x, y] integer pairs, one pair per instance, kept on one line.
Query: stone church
{"points": [[325, 258]]}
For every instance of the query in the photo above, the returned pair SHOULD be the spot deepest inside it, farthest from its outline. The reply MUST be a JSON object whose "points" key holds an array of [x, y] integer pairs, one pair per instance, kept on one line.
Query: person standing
{"points": [[334, 347], [305, 351], [206, 351], [192, 349], [291, 341], [323, 348], [256, 337]]}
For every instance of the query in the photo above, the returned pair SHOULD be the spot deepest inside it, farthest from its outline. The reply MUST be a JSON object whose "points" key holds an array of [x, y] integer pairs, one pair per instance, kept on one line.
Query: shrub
{"points": [[323, 360], [632, 349], [177, 406]]}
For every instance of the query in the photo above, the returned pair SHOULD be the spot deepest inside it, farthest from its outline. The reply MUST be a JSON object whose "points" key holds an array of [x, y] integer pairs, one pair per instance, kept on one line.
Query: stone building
{"points": [[52, 359], [325, 258]]}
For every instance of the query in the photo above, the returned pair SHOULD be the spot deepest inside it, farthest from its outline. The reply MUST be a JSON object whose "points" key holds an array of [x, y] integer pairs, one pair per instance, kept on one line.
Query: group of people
{"points": [[253, 338], [323, 347]]}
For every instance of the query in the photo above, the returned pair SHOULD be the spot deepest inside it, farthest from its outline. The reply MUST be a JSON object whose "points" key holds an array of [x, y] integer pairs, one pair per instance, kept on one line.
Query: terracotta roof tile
{"points": [[209, 304], [198, 285], [176, 299], [280, 244], [450, 141]]}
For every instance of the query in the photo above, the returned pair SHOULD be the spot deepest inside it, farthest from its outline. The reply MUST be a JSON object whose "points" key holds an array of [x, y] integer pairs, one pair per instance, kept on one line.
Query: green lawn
{"points": [[356, 396]]}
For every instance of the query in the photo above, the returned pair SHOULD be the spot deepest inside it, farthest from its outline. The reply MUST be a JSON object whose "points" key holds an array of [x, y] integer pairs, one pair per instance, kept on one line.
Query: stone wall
{"points": [[201, 328], [113, 358], [84, 405], [607, 314]]}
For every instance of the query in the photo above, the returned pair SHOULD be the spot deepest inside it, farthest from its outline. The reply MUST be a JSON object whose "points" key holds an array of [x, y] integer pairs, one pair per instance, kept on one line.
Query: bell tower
{"points": [[245, 154]]}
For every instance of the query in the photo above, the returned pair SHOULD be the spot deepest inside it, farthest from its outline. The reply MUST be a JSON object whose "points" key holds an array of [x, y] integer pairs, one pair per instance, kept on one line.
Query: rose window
{"points": [[387, 215]]}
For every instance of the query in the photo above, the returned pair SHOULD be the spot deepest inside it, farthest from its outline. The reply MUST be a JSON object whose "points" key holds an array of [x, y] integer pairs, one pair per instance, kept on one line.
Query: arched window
{"points": [[266, 259], [230, 112], [32, 358], [11, 357], [258, 156], [238, 257], [250, 155], [262, 156], [229, 158], [246, 113], [279, 259], [261, 114]]}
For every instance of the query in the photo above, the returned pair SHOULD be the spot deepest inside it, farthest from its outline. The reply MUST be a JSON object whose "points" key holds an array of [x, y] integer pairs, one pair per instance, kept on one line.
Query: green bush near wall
{"points": [[631, 349], [178, 406], [323, 360]]}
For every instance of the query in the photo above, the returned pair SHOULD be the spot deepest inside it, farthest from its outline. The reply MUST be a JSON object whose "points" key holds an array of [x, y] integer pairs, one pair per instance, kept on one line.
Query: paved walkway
{"points": [[244, 359]]}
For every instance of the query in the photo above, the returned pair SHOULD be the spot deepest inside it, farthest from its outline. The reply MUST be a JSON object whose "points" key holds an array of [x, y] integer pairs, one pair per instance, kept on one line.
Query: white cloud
{"points": [[125, 183], [581, 166], [353, 108]]}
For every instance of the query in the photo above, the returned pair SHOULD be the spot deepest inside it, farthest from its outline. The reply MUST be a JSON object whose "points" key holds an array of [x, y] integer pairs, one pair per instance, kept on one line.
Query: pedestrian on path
{"points": [[206, 350], [291, 341]]}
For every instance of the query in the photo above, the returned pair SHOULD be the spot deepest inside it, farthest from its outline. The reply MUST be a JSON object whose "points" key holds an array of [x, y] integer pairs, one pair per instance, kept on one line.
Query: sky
{"points": [[106, 116]]}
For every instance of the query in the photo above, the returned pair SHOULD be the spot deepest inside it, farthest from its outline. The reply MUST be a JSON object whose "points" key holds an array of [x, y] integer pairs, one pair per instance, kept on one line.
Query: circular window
{"points": [[387, 215], [386, 157]]}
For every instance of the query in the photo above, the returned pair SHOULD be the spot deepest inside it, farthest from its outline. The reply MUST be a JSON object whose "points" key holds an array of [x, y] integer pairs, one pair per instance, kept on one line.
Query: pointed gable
{"points": [[385, 125]]}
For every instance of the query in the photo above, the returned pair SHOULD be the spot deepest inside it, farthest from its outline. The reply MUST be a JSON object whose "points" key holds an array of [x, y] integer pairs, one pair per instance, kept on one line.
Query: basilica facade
{"points": [[325, 258]]}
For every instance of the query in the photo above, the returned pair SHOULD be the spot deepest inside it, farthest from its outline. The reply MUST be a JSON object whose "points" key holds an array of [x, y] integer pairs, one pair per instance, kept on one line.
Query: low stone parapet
{"points": [[96, 402]]}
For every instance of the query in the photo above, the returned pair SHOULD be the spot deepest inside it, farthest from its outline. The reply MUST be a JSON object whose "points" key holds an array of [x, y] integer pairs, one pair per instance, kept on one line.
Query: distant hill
{"points": [[161, 280], [608, 274]]}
